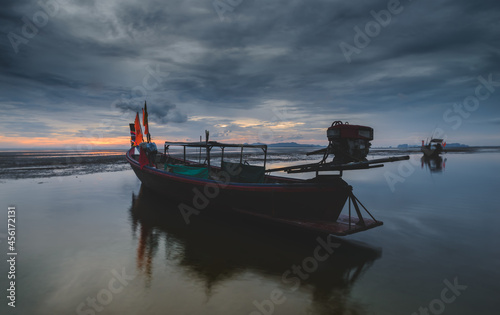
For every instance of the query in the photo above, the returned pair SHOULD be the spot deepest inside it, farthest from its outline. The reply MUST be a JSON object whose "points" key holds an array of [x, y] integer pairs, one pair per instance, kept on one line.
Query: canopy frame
{"points": [[209, 145]]}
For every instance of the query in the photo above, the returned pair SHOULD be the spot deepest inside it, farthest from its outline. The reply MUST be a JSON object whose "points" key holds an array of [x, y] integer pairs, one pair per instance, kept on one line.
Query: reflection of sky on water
{"points": [[74, 230]]}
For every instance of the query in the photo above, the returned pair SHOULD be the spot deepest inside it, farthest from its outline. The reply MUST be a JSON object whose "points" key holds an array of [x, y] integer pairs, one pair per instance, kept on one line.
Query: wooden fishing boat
{"points": [[433, 148], [236, 187]]}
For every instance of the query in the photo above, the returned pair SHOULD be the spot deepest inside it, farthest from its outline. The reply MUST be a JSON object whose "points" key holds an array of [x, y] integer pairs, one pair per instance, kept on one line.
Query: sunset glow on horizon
{"points": [[69, 143]]}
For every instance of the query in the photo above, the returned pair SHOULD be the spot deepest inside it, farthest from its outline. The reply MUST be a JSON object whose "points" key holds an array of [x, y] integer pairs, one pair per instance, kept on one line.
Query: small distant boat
{"points": [[237, 187], [433, 148]]}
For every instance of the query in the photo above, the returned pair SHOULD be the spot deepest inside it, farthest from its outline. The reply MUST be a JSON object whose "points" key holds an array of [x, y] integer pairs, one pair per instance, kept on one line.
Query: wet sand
{"points": [[38, 164]]}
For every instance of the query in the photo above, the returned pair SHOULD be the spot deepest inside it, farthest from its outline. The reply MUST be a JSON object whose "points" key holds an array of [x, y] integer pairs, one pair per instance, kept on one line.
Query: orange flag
{"points": [[145, 121], [138, 131]]}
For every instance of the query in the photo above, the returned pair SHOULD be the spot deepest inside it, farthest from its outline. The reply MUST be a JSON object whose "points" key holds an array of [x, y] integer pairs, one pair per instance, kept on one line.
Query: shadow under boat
{"points": [[212, 250]]}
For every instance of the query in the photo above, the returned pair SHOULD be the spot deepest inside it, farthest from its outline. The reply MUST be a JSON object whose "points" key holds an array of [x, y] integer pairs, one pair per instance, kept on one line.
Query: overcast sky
{"points": [[73, 73]]}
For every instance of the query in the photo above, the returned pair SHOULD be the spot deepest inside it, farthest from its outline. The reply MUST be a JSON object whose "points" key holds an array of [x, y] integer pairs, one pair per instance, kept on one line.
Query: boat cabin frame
{"points": [[209, 145]]}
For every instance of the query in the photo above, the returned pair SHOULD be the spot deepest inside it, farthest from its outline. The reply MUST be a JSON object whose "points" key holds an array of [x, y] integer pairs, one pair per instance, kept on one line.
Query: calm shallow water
{"points": [[76, 233]]}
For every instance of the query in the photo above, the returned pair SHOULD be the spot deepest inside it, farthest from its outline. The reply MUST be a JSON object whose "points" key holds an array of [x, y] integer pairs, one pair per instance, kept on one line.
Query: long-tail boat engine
{"points": [[349, 143]]}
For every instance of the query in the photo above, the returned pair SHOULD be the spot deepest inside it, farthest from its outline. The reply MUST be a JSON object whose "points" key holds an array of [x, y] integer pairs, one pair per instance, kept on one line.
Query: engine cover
{"points": [[349, 143]]}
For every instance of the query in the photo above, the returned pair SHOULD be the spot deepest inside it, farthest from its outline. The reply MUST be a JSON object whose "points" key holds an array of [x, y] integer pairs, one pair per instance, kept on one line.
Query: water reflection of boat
{"points": [[214, 252], [435, 164]]}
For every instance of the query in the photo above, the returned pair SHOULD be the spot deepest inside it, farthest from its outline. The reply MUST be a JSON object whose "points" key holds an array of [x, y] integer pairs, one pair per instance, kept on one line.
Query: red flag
{"points": [[138, 131], [143, 158], [444, 144]]}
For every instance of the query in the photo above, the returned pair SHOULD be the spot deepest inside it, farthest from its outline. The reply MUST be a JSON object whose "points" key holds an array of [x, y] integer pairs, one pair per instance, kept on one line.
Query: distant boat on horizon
{"points": [[433, 148]]}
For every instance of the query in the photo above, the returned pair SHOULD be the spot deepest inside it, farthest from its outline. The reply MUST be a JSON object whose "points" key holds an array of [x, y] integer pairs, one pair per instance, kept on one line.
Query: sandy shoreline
{"points": [[27, 166]]}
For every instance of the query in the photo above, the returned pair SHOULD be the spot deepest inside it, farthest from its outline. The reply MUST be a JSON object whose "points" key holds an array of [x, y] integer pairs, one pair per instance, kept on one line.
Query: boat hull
{"points": [[288, 199]]}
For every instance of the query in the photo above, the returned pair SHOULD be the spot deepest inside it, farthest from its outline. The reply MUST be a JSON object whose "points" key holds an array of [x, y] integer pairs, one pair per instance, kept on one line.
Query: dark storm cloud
{"points": [[162, 113], [91, 53]]}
